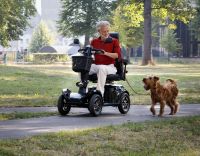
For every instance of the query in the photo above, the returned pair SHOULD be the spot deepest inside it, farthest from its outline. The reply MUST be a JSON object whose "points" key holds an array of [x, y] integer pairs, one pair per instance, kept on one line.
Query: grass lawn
{"points": [[178, 137], [25, 115], [40, 85]]}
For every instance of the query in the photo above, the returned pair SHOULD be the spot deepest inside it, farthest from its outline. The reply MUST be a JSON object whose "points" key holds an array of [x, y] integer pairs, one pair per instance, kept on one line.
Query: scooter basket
{"points": [[81, 63]]}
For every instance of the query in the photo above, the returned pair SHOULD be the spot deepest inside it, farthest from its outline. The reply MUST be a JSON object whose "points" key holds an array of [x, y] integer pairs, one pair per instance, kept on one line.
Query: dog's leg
{"points": [[152, 109], [162, 106], [176, 107], [171, 107]]}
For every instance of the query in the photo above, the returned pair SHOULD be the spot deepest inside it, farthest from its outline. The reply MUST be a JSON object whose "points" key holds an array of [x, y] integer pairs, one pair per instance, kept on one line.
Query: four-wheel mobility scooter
{"points": [[114, 94]]}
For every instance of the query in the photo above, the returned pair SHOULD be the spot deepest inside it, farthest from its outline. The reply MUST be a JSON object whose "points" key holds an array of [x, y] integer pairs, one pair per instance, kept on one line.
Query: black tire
{"points": [[124, 104], [63, 106], [95, 105]]}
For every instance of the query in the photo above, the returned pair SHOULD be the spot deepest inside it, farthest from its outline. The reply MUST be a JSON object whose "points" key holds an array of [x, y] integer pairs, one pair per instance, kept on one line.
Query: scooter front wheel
{"points": [[124, 104], [95, 105], [63, 106]]}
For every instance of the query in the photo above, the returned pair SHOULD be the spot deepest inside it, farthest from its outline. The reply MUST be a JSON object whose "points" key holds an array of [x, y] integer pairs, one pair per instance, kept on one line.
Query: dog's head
{"points": [[150, 82]]}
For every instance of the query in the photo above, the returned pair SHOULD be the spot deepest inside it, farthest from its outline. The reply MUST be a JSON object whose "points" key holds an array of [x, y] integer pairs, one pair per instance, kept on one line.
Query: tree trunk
{"points": [[128, 52], [147, 56], [87, 40]]}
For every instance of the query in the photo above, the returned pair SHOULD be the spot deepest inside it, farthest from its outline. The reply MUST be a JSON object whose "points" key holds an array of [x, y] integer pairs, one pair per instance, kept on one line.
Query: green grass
{"points": [[187, 77], [40, 85], [179, 136], [25, 115], [33, 85]]}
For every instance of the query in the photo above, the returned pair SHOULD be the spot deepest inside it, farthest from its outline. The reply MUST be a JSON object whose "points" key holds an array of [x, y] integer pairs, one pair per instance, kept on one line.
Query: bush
{"points": [[46, 58], [28, 58]]}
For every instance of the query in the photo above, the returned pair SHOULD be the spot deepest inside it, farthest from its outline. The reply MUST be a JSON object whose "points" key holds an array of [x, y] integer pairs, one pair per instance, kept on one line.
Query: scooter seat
{"points": [[110, 77], [120, 75]]}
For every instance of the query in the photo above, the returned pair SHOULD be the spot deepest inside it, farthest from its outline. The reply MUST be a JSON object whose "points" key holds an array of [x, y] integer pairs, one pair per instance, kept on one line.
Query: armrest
{"points": [[125, 61]]}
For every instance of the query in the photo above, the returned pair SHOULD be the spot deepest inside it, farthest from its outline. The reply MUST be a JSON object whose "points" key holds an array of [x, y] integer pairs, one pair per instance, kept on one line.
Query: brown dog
{"points": [[167, 92]]}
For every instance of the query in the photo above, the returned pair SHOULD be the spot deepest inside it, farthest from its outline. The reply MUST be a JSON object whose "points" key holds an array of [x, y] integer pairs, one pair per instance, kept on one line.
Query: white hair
{"points": [[101, 24]]}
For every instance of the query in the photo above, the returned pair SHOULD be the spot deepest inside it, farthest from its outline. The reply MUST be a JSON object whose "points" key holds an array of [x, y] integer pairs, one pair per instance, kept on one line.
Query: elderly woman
{"points": [[104, 63]]}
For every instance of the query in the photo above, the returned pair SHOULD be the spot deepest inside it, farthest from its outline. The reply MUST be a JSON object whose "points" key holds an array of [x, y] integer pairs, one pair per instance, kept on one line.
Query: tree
{"points": [[130, 34], [79, 17], [166, 10], [147, 56], [195, 23], [41, 37], [170, 42], [14, 16]]}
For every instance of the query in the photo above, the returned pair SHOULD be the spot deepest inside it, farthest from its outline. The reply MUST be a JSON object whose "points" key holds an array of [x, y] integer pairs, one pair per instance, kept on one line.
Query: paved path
{"points": [[81, 119]]}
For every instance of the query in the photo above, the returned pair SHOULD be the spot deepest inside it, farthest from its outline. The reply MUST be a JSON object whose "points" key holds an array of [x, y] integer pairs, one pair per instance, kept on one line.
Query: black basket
{"points": [[81, 63]]}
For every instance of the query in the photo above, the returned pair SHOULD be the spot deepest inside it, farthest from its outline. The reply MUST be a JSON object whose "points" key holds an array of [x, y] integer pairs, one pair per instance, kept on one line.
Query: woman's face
{"points": [[104, 32]]}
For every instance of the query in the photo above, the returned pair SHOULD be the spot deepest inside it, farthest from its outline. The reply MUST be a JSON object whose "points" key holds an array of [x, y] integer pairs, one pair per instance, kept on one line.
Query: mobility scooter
{"points": [[88, 97]]}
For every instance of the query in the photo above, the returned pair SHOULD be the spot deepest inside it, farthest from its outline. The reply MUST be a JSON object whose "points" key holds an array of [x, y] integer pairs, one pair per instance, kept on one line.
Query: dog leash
{"points": [[133, 89]]}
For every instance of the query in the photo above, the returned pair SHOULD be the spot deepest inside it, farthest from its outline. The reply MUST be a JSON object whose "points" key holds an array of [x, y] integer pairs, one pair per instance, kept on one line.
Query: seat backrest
{"points": [[119, 63], [114, 35], [119, 67]]}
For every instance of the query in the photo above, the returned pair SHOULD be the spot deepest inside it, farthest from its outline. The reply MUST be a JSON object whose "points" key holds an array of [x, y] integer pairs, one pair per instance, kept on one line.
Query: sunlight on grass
{"points": [[25, 115], [20, 96], [8, 78], [50, 69], [27, 100]]}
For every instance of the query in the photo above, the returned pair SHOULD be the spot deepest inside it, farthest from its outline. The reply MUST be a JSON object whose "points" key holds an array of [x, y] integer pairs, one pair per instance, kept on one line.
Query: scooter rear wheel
{"points": [[63, 106], [124, 105], [95, 105]]}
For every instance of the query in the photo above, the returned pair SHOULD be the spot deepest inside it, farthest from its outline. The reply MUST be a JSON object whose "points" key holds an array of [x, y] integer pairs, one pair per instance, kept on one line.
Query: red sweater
{"points": [[112, 47]]}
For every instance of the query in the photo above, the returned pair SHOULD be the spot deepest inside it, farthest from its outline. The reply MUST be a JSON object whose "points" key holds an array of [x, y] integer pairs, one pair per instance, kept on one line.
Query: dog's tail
{"points": [[172, 81], [174, 87]]}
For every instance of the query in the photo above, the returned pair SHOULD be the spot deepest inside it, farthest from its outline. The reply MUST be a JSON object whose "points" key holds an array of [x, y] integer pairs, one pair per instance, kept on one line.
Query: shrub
{"points": [[47, 58]]}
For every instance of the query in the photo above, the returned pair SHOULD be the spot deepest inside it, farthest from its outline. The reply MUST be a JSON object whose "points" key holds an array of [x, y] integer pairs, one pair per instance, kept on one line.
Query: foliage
{"points": [[134, 12], [14, 16], [46, 58], [155, 31], [130, 34], [41, 37], [170, 42], [79, 17], [167, 11], [170, 10]]}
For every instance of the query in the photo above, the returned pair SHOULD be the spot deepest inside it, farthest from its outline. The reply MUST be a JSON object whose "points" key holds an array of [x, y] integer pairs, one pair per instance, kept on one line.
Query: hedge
{"points": [[46, 58]]}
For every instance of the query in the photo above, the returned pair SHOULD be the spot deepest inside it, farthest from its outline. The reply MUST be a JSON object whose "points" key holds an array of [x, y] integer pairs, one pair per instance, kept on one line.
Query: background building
{"points": [[190, 44]]}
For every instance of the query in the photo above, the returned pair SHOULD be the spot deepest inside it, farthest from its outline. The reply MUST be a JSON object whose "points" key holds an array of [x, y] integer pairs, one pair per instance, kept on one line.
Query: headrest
{"points": [[114, 35], [76, 41]]}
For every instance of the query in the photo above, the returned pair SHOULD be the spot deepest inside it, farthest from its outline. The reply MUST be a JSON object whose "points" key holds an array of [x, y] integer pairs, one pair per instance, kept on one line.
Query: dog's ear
{"points": [[144, 79], [156, 78]]}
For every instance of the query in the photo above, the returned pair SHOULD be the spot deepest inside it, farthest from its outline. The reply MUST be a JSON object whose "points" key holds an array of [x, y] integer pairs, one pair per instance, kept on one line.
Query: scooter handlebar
{"points": [[80, 50], [93, 51], [98, 51]]}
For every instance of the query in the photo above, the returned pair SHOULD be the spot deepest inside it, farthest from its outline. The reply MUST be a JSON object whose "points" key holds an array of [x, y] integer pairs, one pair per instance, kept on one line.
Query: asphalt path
{"points": [[79, 118]]}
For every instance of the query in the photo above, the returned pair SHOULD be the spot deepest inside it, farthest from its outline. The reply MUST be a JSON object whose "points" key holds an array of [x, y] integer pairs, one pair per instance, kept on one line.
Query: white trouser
{"points": [[102, 71]]}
